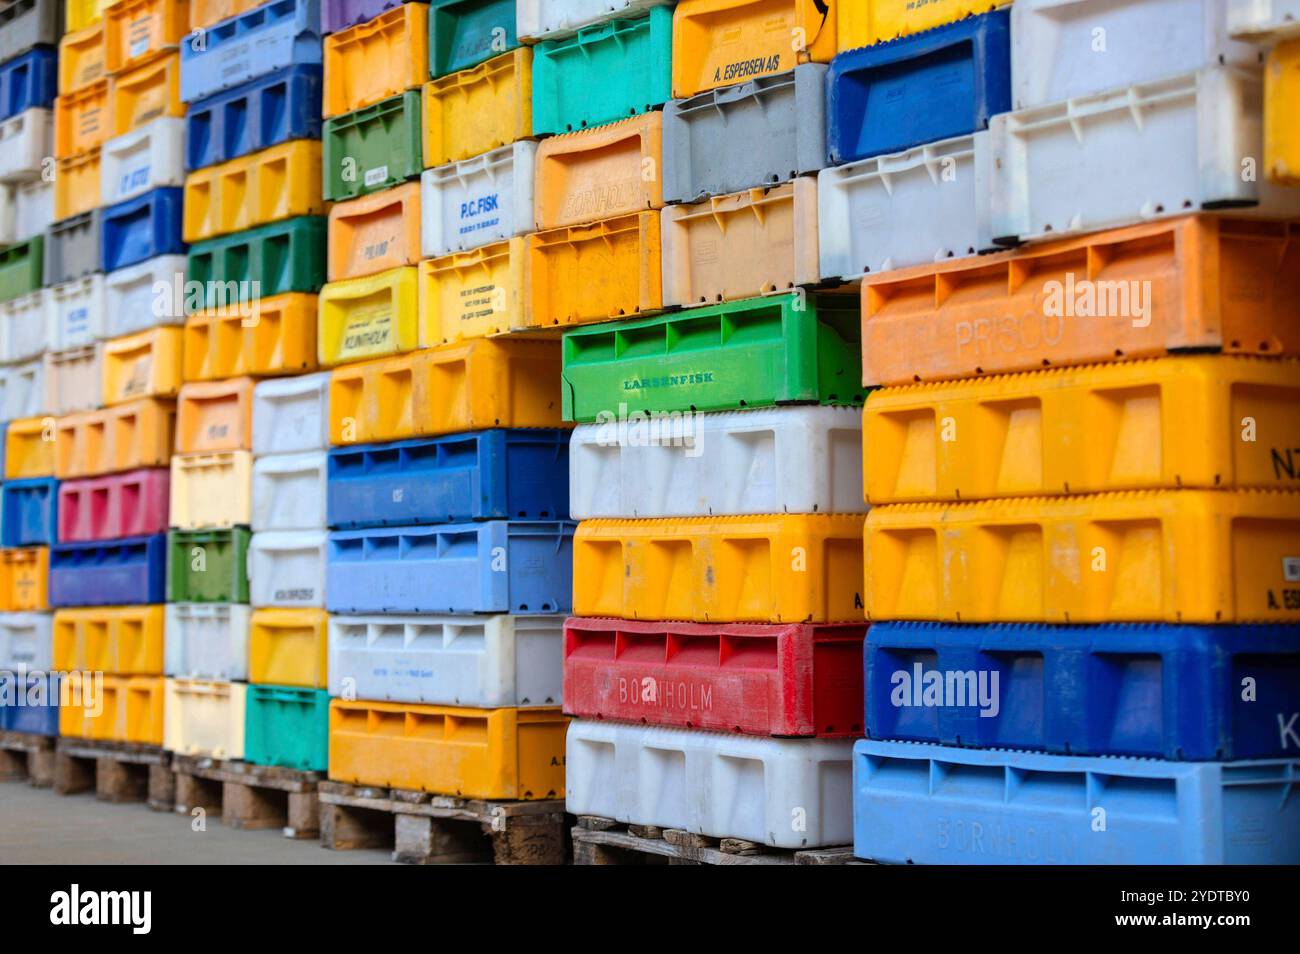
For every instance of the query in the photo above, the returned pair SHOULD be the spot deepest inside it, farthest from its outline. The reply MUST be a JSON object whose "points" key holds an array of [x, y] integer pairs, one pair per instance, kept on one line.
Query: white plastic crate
{"points": [[291, 415], [767, 460], [1062, 49], [289, 491], [22, 390], [787, 793], [8, 213], [485, 661], [33, 208], [1164, 148], [74, 379], [78, 312], [26, 141], [546, 19], [1264, 20], [26, 642], [287, 568], [25, 324], [147, 158], [926, 204], [478, 201], [207, 641], [204, 718], [145, 295]]}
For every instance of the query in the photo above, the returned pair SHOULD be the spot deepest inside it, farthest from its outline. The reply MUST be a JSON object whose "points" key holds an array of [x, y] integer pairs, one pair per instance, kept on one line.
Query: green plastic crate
{"points": [[605, 73], [21, 267], [761, 351], [288, 726], [286, 256], [218, 575], [373, 148], [465, 33]]}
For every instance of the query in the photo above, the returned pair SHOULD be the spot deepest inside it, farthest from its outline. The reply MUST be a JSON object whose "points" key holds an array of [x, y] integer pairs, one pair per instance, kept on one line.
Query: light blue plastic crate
{"points": [[916, 803], [497, 566], [267, 39]]}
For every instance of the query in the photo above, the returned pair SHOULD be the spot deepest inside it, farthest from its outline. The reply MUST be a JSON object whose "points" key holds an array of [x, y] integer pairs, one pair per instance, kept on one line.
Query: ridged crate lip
{"points": [[1145, 766]]}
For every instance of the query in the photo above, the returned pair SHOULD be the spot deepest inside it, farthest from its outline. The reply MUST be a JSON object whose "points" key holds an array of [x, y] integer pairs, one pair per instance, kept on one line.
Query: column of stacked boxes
{"points": [[450, 554], [28, 37], [1081, 554], [713, 665], [246, 549]]}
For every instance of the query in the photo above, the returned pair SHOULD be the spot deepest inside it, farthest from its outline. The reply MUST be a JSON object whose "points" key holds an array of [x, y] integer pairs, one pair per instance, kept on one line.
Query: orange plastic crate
{"points": [[135, 30], [376, 59], [375, 233], [215, 416], [278, 336], [146, 92], [125, 437], [83, 120], [24, 579]]}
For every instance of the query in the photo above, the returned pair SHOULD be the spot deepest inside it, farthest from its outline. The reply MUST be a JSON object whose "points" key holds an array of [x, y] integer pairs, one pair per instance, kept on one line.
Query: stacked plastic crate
{"points": [[254, 218], [451, 554], [28, 36], [1081, 559]]}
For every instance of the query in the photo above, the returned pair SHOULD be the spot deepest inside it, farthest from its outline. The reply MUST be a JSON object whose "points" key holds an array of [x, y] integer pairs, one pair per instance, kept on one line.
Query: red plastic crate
{"points": [[794, 679], [132, 504]]}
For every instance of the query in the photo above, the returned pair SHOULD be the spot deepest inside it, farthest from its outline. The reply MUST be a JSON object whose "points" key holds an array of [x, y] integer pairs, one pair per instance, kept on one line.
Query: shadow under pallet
{"points": [[26, 756], [249, 796], [603, 841], [118, 772]]}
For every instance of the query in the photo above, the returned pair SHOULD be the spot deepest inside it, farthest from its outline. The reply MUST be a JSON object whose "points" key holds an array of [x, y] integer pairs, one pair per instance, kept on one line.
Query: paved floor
{"points": [[37, 826]]}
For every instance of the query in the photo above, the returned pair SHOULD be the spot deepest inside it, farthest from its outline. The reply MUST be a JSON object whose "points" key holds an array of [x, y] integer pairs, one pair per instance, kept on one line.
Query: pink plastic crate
{"points": [[132, 504]]}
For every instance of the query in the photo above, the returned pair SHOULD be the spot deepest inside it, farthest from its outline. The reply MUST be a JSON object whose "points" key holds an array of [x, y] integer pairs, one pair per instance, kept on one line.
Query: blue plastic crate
{"points": [[934, 804], [497, 566], [503, 474], [31, 79], [1160, 691], [30, 512], [272, 109], [109, 572], [142, 228], [920, 88], [34, 709], [267, 39]]}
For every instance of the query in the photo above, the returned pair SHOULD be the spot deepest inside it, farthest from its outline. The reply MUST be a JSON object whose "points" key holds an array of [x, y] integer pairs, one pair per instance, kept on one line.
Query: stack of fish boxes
{"points": [[1081, 561], [254, 221], [450, 555]]}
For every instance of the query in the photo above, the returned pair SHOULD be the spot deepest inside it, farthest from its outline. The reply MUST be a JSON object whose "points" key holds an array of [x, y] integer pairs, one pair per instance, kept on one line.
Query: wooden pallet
{"points": [[249, 796], [603, 841], [29, 757], [116, 771], [425, 829]]}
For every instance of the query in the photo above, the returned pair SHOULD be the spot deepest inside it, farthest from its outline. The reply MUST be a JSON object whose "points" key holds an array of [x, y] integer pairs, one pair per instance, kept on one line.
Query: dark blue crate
{"points": [[30, 512], [497, 566], [31, 79], [109, 572], [920, 88], [35, 709], [1154, 690], [142, 228], [277, 108], [496, 474]]}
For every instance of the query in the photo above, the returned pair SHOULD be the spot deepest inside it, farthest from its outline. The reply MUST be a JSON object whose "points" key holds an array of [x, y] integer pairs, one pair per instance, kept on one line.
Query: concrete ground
{"points": [[39, 827]]}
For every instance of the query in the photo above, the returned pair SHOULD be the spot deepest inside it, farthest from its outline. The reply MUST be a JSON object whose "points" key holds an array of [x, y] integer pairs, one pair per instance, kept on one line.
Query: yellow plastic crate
{"points": [[211, 490], [278, 336], [480, 383], [375, 232], [83, 119], [125, 437], [474, 294], [29, 448], [76, 185], [123, 640], [135, 30], [83, 13], [868, 22], [81, 58], [204, 718], [276, 183], [451, 750], [24, 579], [775, 568], [368, 317], [1281, 109], [112, 708], [144, 364], [1193, 421], [376, 59], [479, 109], [289, 647], [146, 92], [1175, 556]]}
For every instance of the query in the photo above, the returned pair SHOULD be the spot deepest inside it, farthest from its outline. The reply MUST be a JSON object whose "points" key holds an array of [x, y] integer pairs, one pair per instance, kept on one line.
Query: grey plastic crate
{"points": [[759, 133], [72, 248], [27, 23]]}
